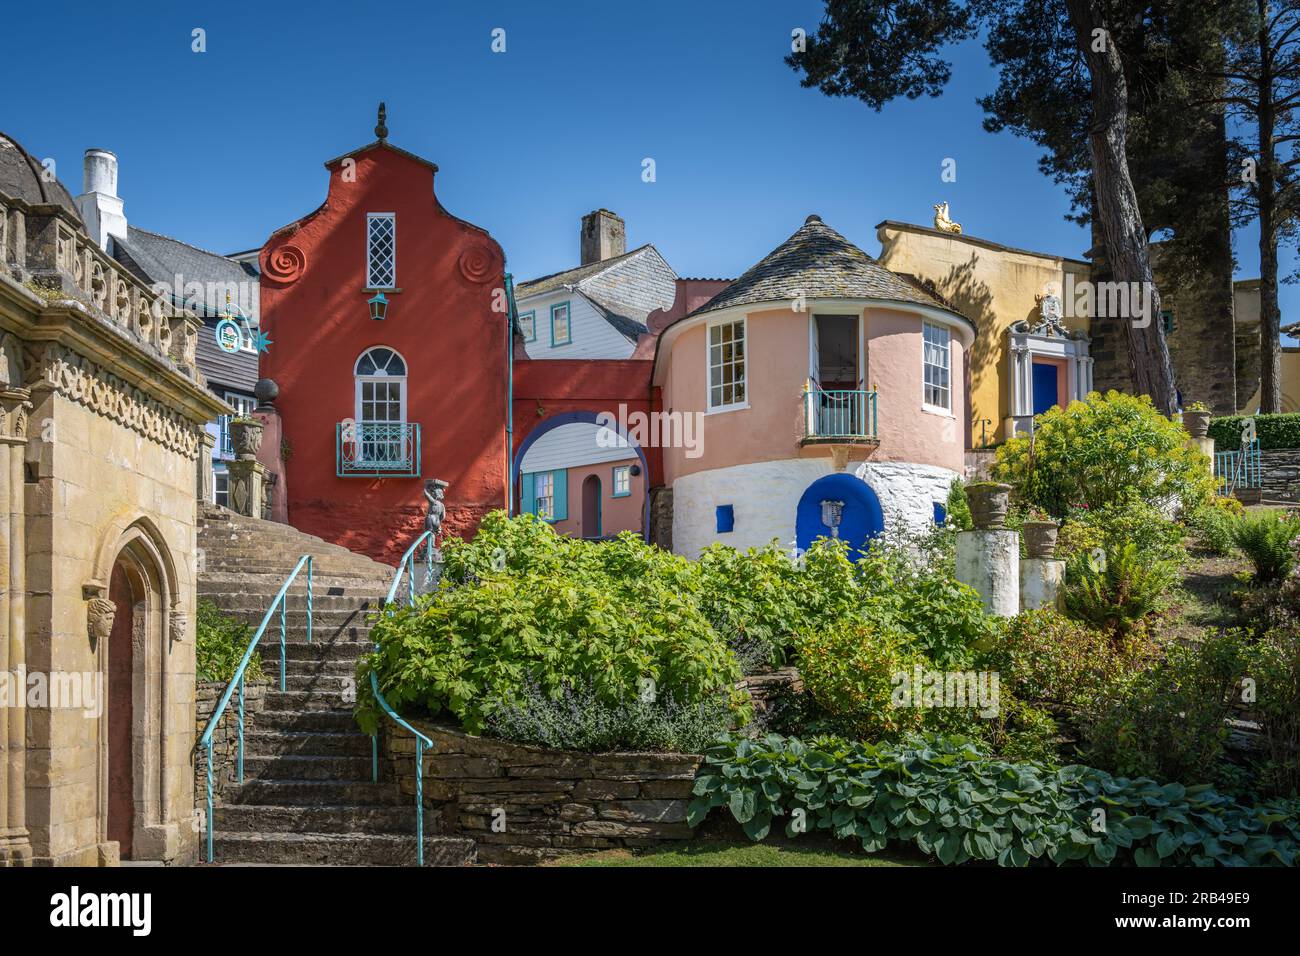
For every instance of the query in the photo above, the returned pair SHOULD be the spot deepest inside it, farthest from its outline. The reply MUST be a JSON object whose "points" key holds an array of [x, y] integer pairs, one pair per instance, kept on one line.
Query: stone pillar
{"points": [[271, 454], [246, 479], [15, 841], [1205, 446], [1041, 580], [989, 561], [203, 478]]}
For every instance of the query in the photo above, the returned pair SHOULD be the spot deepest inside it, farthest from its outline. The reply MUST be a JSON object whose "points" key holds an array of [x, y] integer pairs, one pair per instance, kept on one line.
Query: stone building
{"points": [[102, 413]]}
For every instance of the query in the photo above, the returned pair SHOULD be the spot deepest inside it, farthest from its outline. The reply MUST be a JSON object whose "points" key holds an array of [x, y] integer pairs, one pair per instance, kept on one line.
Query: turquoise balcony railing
{"points": [[839, 414], [377, 450], [1237, 469]]}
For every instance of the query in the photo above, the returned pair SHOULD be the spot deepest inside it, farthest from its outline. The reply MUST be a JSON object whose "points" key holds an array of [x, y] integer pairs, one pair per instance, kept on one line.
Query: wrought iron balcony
{"points": [[377, 450], [847, 416]]}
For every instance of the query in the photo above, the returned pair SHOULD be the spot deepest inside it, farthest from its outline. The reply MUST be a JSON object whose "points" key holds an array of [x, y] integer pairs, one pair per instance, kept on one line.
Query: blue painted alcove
{"points": [[861, 521]]}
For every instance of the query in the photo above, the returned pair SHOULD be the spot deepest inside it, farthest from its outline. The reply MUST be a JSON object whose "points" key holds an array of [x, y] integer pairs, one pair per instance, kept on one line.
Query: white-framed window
{"points": [[381, 250], [936, 353], [622, 481], [221, 487], [243, 405], [544, 494], [727, 365], [528, 325], [380, 386], [561, 330]]}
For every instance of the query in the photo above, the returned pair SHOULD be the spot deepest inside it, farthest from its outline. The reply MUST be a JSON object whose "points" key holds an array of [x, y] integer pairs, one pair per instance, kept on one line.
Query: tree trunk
{"points": [[1270, 313], [1117, 209]]}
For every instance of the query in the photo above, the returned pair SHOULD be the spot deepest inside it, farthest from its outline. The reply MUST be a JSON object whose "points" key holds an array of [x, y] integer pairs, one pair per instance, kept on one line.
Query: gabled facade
{"points": [[390, 342]]}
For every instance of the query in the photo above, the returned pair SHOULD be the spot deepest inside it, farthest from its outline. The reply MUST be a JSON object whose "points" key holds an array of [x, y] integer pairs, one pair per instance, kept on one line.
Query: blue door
{"points": [[860, 520], [1044, 386]]}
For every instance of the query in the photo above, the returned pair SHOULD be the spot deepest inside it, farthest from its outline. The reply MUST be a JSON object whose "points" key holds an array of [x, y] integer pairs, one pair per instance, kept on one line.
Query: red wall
{"points": [[313, 307]]}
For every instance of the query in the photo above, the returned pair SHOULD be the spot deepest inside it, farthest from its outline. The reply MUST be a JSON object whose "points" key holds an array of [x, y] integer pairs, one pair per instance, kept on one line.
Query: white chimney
{"points": [[99, 204]]}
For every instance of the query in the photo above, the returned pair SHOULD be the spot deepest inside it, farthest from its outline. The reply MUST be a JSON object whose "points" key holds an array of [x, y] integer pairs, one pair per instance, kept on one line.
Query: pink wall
{"points": [[616, 514], [771, 428]]}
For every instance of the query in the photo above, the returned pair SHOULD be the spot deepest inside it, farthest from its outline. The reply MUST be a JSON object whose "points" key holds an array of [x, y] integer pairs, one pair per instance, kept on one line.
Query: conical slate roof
{"points": [[818, 263]]}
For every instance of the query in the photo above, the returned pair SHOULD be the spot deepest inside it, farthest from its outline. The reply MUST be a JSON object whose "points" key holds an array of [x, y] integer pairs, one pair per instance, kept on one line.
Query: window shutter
{"points": [[527, 500], [561, 478]]}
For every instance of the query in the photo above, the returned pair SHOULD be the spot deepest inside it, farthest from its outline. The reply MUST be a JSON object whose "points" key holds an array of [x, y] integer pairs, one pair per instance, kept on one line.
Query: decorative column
{"points": [[988, 558], [1042, 575], [272, 454], [247, 474], [15, 841], [203, 479]]}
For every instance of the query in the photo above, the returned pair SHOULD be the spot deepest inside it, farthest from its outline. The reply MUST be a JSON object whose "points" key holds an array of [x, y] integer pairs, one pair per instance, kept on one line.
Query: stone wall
{"points": [[524, 804], [225, 739], [1279, 470]]}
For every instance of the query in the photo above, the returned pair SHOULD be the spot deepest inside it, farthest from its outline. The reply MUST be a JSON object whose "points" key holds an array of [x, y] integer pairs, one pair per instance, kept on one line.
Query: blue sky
{"points": [[222, 147]]}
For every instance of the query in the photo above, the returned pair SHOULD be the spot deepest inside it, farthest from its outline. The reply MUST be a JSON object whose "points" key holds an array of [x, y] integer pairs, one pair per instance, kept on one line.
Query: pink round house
{"points": [[831, 395]]}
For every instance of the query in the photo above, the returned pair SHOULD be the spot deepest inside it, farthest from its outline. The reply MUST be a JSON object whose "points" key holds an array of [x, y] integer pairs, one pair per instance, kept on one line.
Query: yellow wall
{"points": [[994, 286], [1290, 384]]}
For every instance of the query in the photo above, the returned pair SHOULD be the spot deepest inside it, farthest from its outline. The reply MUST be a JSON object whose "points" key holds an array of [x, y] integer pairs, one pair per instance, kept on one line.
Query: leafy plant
{"points": [[1273, 431], [949, 800], [1273, 664], [220, 645], [1103, 450], [958, 506], [1120, 595], [1217, 525], [1265, 538]]}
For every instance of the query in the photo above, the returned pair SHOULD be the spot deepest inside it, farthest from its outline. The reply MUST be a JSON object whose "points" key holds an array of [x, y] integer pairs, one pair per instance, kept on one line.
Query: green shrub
{"points": [[1217, 525], [1273, 431], [582, 720], [1103, 450], [1273, 664], [1168, 721], [951, 801], [1265, 538], [849, 668], [1119, 596], [1045, 657], [958, 506], [220, 644]]}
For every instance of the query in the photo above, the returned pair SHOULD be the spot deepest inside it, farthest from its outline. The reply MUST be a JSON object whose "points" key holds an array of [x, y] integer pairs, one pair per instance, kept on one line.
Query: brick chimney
{"points": [[603, 236]]}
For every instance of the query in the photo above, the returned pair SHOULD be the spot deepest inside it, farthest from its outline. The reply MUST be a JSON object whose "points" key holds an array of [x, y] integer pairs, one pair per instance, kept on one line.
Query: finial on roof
{"points": [[380, 129], [813, 218]]}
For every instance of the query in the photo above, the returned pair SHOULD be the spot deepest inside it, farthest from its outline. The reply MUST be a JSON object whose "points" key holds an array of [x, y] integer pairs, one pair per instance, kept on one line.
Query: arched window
{"points": [[381, 406]]}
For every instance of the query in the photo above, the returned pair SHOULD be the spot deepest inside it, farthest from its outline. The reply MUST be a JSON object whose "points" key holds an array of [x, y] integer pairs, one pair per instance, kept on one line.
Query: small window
{"points": [[622, 481], [935, 365], [528, 326], [221, 487], [726, 516], [940, 514], [381, 250], [1167, 318], [544, 494], [561, 333], [727, 364]]}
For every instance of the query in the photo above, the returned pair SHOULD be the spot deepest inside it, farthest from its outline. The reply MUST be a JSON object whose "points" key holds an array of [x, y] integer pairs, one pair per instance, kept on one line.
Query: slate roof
{"points": [[629, 328], [556, 280], [21, 177], [818, 263]]}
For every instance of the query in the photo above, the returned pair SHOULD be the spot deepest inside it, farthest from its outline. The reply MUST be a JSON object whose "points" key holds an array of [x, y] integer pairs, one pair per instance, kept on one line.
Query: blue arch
{"points": [[568, 418], [861, 521]]}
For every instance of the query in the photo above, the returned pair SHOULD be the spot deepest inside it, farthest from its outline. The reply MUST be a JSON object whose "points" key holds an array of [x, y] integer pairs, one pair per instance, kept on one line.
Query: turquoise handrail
{"points": [[406, 567], [237, 681]]}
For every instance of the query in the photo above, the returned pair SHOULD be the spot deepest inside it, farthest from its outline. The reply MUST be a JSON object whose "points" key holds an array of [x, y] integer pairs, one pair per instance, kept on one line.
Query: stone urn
{"points": [[1197, 423], [1040, 538], [988, 504], [246, 437]]}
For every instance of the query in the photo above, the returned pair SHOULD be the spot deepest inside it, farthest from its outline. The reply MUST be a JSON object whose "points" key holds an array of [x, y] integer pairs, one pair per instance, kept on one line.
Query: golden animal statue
{"points": [[942, 222]]}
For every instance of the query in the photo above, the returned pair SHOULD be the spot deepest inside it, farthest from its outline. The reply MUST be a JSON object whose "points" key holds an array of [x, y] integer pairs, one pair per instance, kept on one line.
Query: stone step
{"points": [[307, 767], [341, 849], [294, 721], [321, 683], [305, 700], [327, 608], [296, 647], [307, 743], [337, 818], [314, 793], [240, 581], [296, 667]]}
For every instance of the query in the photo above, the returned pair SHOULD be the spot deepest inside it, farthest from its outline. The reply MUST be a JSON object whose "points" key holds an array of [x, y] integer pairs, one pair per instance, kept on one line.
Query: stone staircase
{"points": [[308, 796]]}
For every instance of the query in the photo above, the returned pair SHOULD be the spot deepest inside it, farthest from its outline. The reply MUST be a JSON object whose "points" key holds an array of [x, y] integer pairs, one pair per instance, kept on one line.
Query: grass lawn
{"points": [[736, 854]]}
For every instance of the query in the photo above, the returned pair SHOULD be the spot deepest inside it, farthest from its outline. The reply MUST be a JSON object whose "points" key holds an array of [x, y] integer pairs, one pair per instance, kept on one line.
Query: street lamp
{"points": [[378, 307]]}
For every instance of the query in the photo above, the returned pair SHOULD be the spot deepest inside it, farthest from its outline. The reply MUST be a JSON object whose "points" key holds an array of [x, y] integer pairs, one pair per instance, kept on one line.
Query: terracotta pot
{"points": [[988, 504], [1040, 538], [1197, 423], [246, 437]]}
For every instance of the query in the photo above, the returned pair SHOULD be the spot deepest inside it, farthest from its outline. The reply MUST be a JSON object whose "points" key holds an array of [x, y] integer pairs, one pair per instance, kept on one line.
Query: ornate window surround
{"points": [[1048, 339]]}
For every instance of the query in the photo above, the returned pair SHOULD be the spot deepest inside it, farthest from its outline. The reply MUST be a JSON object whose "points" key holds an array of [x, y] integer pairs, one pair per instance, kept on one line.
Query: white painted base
{"points": [[1041, 580], [765, 495], [989, 561]]}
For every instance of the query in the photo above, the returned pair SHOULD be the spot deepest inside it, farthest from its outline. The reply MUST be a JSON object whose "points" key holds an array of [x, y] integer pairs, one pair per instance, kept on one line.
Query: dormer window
{"points": [[381, 250]]}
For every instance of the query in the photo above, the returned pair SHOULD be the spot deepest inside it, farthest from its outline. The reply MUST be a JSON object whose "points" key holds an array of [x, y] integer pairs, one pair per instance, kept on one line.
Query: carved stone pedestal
{"points": [[246, 487], [1041, 580], [989, 561]]}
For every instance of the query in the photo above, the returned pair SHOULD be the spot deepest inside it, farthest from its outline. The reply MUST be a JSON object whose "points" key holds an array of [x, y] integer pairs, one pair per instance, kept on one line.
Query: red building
{"points": [[390, 359]]}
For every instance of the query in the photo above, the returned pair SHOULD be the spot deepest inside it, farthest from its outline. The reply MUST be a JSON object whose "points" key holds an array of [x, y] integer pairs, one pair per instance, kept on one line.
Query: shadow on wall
{"points": [[974, 299]]}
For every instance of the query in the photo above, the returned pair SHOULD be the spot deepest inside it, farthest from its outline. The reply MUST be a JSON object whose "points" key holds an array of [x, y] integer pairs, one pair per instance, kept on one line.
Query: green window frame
{"points": [[530, 333], [622, 475], [568, 324], [559, 487]]}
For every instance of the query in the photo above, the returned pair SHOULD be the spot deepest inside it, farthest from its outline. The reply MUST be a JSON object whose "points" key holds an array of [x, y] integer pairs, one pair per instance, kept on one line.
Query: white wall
{"points": [[591, 336], [572, 445]]}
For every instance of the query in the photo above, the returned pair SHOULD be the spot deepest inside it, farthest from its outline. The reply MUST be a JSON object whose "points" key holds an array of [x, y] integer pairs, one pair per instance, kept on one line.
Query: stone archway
{"points": [[119, 711]]}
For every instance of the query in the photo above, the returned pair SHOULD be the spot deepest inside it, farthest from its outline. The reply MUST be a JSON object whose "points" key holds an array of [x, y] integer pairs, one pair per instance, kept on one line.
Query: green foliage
{"points": [[1273, 431], [584, 721], [951, 801], [1273, 663], [1265, 537], [1119, 596], [1168, 721], [1217, 525], [958, 506], [1048, 658], [220, 645], [1107, 449]]}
